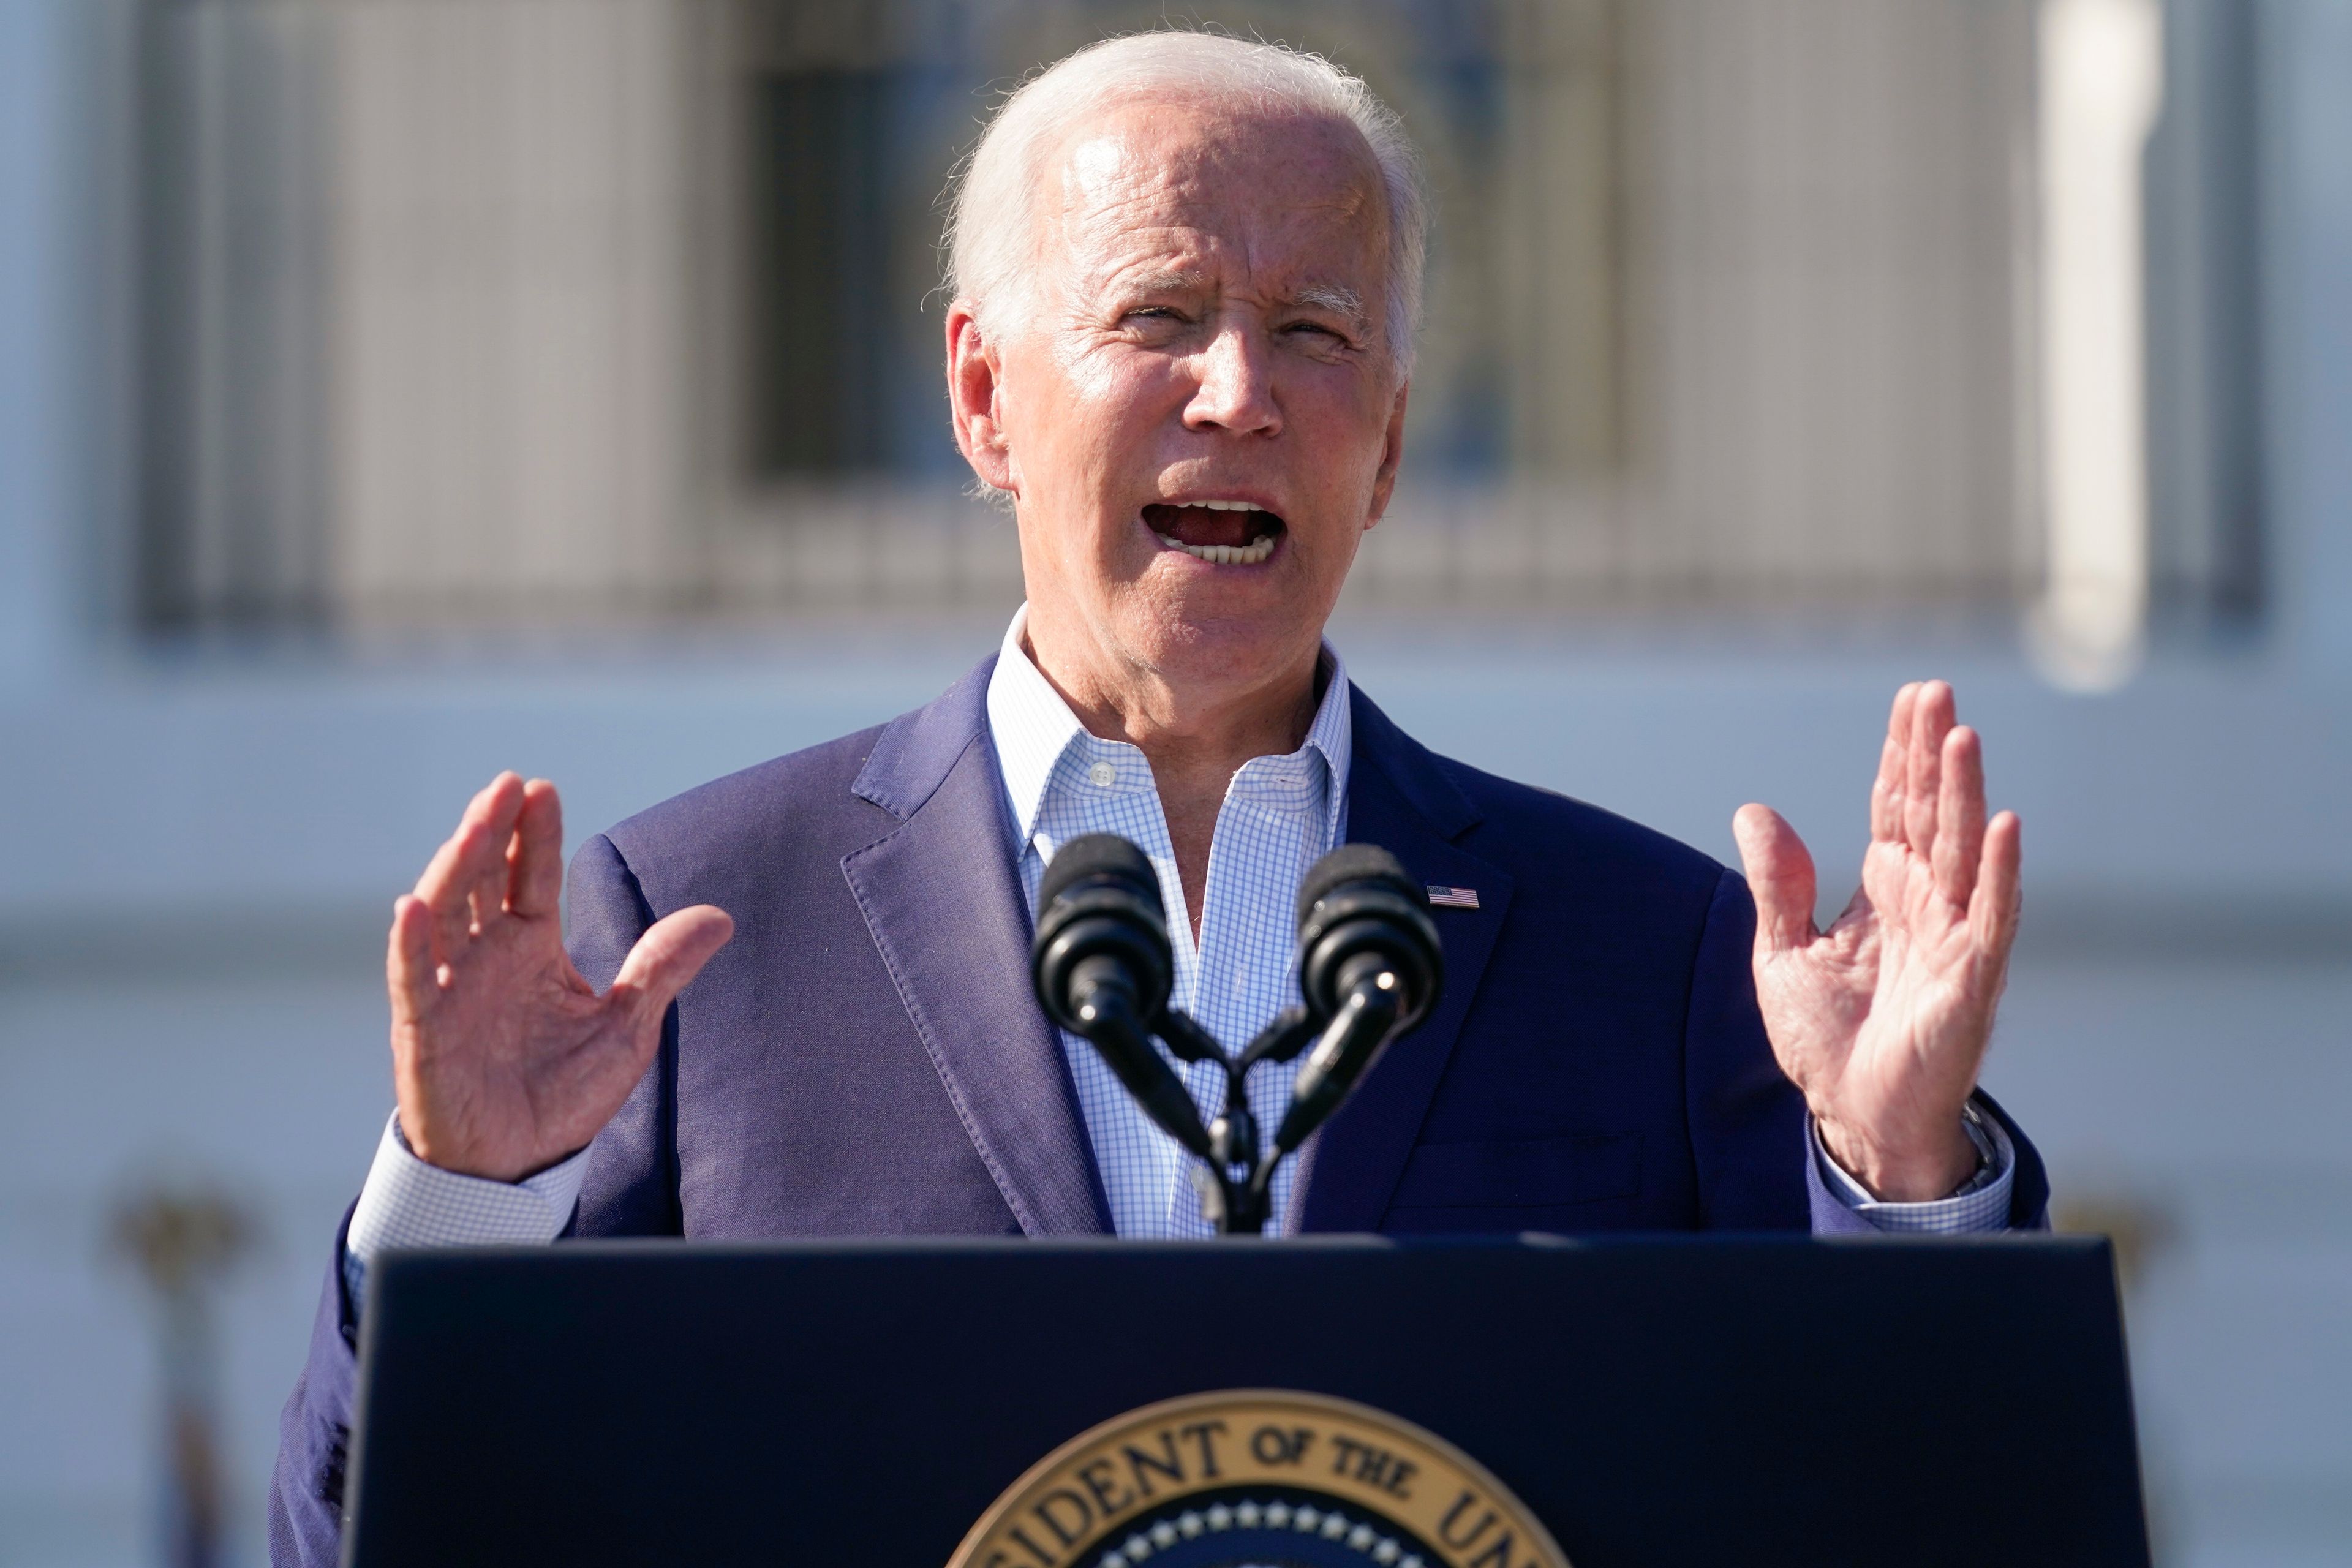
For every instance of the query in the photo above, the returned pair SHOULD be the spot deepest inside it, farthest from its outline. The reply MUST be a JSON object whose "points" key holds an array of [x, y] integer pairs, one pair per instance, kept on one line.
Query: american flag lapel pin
{"points": [[1451, 897]]}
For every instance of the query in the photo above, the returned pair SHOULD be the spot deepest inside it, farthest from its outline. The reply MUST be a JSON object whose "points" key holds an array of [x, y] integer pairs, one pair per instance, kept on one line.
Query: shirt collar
{"points": [[1032, 729]]}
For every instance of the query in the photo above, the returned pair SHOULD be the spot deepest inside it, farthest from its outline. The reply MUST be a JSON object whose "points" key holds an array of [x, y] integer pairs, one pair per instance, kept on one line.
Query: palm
{"points": [[504, 1058], [1882, 1019]]}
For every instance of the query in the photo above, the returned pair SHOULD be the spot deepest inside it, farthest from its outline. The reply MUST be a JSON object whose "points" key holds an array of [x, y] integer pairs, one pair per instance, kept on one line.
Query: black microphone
{"points": [[1369, 968], [1101, 966]]}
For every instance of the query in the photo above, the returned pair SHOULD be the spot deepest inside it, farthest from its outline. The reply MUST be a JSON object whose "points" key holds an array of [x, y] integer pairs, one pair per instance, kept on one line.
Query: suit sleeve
{"points": [[631, 1185], [1748, 1121], [630, 1189], [314, 1433]]}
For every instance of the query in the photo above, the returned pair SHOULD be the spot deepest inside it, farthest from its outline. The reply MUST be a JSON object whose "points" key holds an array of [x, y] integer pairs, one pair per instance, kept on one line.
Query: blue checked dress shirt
{"points": [[1280, 815]]}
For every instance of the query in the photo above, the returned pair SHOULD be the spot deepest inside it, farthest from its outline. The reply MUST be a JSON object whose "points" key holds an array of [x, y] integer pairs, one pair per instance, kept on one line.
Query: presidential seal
{"points": [[1257, 1479]]}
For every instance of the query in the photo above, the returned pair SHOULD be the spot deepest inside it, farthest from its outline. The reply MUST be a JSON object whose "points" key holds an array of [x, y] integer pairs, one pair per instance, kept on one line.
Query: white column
{"points": [[2102, 79], [2305, 92], [37, 380]]}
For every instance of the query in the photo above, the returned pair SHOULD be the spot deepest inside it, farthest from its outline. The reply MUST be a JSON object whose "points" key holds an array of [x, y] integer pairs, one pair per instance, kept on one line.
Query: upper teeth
{"points": [[1220, 505], [1248, 554]]}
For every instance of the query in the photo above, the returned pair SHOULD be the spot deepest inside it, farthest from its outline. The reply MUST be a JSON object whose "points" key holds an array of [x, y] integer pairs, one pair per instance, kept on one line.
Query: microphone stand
{"points": [[1235, 1180]]}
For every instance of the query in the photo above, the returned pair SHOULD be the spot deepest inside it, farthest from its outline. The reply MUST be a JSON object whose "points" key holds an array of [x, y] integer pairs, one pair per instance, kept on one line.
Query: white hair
{"points": [[989, 232]]}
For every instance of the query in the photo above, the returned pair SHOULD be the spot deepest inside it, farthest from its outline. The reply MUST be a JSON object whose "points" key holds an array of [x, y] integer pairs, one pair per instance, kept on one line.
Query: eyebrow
{"points": [[1171, 283], [1332, 297]]}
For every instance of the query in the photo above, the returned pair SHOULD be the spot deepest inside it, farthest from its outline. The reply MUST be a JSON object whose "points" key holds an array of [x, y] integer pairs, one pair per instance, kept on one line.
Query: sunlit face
{"points": [[1196, 408]]}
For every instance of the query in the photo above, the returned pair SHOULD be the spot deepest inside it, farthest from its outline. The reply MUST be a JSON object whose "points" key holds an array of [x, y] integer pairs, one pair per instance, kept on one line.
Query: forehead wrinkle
{"points": [[1157, 146], [1128, 189], [1171, 282], [1157, 263], [1194, 136]]}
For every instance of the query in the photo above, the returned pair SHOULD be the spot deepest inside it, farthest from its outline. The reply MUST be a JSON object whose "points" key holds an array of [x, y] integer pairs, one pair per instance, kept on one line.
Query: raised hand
{"points": [[1882, 1019], [504, 1059]]}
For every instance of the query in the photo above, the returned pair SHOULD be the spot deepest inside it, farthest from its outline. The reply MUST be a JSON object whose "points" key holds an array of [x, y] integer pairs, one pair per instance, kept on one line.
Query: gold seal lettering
{"points": [[1253, 1459]]}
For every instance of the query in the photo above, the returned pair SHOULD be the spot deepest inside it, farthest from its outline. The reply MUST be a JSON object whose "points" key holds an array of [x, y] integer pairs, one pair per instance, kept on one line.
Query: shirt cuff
{"points": [[1981, 1206], [409, 1204]]}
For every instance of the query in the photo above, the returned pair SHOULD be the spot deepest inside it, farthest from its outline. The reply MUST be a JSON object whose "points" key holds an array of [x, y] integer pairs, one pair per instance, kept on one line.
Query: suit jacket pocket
{"points": [[1521, 1172]]}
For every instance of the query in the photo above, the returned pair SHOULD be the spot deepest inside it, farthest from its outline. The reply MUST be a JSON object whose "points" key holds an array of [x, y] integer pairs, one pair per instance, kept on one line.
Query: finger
{"points": [[1886, 792], [1960, 816], [1931, 721], [488, 873], [446, 881], [1993, 912], [408, 969], [670, 955], [1779, 875], [535, 858], [438, 870]]}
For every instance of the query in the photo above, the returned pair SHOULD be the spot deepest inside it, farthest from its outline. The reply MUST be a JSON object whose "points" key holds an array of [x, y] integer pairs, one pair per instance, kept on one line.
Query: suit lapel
{"points": [[940, 898], [1400, 798]]}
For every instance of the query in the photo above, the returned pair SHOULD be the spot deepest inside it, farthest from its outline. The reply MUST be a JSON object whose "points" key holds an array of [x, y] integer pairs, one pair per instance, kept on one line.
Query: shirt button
{"points": [[1102, 775]]}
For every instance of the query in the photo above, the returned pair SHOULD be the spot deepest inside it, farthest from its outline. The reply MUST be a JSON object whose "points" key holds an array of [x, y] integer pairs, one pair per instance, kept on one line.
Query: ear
{"points": [[975, 384], [1392, 457]]}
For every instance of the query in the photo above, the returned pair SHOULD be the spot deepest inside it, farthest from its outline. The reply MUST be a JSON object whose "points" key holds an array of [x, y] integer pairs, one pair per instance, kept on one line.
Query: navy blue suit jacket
{"points": [[866, 1057]]}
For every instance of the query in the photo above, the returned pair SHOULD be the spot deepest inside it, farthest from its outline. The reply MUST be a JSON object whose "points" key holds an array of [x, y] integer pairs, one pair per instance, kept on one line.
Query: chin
{"points": [[1226, 634]]}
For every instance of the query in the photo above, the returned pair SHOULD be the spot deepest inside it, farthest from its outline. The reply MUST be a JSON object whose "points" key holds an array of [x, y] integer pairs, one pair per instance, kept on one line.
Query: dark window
{"points": [[820, 274]]}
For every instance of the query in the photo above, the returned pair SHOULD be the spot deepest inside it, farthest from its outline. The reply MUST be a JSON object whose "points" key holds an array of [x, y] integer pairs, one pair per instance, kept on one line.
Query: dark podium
{"points": [[1651, 1401]]}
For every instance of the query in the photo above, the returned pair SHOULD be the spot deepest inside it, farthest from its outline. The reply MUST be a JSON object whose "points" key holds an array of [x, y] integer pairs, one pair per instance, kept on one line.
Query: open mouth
{"points": [[1223, 532]]}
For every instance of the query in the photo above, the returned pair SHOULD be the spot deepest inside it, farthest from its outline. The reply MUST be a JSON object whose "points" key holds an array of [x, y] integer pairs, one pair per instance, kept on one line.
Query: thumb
{"points": [[1779, 876], [672, 953]]}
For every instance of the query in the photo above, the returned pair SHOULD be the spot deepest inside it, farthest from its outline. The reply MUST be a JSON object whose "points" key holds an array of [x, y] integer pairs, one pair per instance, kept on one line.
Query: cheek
{"points": [[1355, 400], [1346, 425], [1089, 376], [1124, 439], [1107, 382], [1097, 407]]}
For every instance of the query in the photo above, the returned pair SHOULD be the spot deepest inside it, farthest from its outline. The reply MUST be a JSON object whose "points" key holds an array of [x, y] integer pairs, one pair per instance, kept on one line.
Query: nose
{"points": [[1235, 390]]}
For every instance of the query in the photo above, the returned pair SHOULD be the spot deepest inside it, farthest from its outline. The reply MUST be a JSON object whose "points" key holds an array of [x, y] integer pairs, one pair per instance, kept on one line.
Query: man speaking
{"points": [[1186, 279]]}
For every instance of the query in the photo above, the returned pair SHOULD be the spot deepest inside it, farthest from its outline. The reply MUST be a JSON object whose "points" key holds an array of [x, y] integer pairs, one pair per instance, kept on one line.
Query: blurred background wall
{"points": [[393, 391]]}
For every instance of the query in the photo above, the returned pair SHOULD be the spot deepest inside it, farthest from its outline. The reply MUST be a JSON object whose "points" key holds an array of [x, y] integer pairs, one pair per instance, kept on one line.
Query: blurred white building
{"points": [[617, 307], [392, 391]]}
